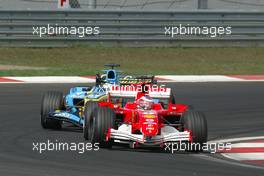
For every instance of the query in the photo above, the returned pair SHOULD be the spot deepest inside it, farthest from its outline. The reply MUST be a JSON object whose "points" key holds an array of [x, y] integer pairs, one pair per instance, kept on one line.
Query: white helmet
{"points": [[145, 102]]}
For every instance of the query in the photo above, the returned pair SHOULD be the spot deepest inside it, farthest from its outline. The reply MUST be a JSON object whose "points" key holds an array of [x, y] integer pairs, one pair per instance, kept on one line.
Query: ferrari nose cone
{"points": [[150, 126]]}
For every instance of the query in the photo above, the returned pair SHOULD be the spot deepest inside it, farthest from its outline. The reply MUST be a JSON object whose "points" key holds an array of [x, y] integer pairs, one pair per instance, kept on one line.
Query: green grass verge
{"points": [[89, 60]]}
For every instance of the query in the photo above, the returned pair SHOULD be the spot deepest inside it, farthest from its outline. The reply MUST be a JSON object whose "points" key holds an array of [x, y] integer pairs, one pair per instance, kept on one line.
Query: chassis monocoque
{"points": [[110, 122]]}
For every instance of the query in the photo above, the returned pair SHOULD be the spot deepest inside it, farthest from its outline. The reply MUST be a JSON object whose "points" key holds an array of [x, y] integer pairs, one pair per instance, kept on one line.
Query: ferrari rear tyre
{"points": [[90, 106], [197, 124], [102, 119], [51, 101]]}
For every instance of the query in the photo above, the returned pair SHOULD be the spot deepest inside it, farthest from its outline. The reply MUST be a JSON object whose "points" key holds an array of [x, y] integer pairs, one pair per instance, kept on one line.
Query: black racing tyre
{"points": [[89, 108], [197, 124], [51, 101], [102, 119]]}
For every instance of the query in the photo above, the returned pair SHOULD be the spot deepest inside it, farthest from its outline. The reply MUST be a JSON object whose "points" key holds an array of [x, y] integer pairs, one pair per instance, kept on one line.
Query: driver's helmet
{"points": [[103, 77], [145, 102]]}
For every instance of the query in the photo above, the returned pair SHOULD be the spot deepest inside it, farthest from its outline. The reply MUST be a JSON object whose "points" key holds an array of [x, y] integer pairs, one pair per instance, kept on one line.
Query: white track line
{"points": [[198, 78], [53, 79], [244, 156], [160, 78], [248, 145], [236, 139]]}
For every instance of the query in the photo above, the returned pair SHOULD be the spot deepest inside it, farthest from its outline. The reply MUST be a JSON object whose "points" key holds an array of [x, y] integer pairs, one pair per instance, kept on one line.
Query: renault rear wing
{"points": [[145, 79]]}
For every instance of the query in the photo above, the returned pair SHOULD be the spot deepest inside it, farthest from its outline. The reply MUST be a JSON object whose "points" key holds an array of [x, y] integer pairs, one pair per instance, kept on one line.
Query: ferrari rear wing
{"points": [[132, 91]]}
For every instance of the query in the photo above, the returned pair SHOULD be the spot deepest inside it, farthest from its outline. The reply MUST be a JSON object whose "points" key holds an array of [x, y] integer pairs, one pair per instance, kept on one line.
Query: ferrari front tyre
{"points": [[101, 120], [89, 108], [51, 102], [197, 124]]}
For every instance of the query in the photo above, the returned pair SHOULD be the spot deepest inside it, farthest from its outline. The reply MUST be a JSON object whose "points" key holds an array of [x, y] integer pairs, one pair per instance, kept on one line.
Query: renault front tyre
{"points": [[51, 102]]}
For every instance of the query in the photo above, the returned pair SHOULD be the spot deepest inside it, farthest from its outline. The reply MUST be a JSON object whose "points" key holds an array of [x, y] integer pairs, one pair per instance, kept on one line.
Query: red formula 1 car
{"points": [[142, 118]]}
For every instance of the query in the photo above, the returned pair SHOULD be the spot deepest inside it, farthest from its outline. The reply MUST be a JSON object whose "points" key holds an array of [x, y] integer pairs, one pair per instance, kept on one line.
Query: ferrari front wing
{"points": [[168, 135]]}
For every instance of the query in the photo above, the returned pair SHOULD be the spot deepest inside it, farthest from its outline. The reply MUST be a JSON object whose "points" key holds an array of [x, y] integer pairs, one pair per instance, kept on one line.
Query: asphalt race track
{"points": [[232, 109]]}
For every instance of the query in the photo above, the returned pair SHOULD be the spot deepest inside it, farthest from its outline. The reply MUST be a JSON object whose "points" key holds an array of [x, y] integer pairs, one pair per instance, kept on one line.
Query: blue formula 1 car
{"points": [[57, 108]]}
